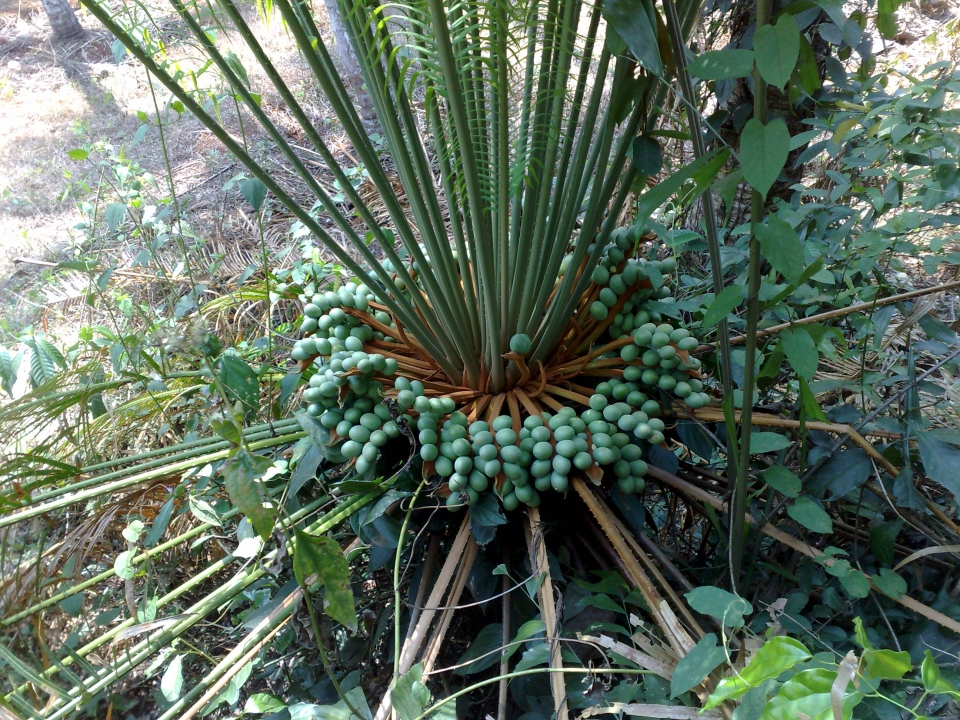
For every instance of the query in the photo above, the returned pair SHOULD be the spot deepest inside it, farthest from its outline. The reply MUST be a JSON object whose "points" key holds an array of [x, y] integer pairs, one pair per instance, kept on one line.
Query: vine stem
{"points": [[396, 584], [520, 673], [675, 31], [742, 487]]}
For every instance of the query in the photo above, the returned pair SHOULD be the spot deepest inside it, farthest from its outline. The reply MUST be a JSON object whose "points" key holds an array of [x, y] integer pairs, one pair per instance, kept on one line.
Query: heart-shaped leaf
{"points": [[776, 49], [763, 152]]}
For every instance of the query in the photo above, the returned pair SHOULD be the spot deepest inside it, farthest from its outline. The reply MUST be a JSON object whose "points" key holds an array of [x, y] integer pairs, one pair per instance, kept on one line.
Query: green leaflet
{"points": [[763, 152], [318, 558], [696, 665], [723, 304], [782, 248], [801, 351], [241, 477], [808, 694], [776, 49], [810, 515], [409, 695], [782, 480], [725, 606], [773, 658]]}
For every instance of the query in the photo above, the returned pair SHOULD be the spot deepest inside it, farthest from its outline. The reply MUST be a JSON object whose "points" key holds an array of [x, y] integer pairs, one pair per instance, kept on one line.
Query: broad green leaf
{"points": [[782, 248], [696, 665], [940, 461], [203, 511], [171, 684], [853, 581], [810, 515], [808, 70], [933, 682], [482, 652], [263, 703], [774, 657], [338, 711], [721, 64], [801, 351], [764, 442], [763, 152], [321, 557], [883, 536], [809, 402], [132, 532], [115, 214], [721, 604], [233, 62], [723, 304], [886, 664], [241, 477], [253, 191], [410, 696], [782, 480], [890, 583], [807, 694], [241, 383], [123, 566], [78, 154], [647, 155], [525, 632], [887, 18], [635, 22], [226, 429], [777, 48], [538, 654]]}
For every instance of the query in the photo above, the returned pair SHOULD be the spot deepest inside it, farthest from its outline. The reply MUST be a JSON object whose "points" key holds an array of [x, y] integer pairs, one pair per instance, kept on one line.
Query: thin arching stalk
{"points": [[741, 491]]}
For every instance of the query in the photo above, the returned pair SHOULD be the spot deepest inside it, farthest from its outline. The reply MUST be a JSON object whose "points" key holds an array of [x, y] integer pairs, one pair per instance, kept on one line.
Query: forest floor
{"points": [[55, 97]]}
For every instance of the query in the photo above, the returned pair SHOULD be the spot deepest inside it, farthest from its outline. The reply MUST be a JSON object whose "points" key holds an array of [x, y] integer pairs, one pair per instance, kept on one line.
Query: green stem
{"points": [[396, 584], [520, 673], [741, 490]]}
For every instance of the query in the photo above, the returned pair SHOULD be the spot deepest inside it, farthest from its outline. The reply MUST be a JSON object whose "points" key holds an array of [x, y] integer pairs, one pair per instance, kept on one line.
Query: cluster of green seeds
{"points": [[346, 392], [329, 327]]}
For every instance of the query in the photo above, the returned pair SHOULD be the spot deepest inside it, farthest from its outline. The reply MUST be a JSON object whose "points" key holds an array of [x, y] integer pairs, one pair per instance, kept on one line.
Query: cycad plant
{"points": [[501, 315], [503, 286]]}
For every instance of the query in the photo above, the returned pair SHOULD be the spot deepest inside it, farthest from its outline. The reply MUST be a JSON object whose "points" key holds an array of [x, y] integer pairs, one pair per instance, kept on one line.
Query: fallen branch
{"points": [[548, 609], [795, 543], [839, 312]]}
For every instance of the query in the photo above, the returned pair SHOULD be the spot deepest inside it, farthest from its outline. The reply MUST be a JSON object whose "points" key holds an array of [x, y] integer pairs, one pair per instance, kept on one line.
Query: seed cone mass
{"points": [[591, 407]]}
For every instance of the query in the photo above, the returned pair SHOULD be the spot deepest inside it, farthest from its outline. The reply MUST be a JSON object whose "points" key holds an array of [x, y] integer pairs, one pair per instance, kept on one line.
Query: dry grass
{"points": [[59, 96]]}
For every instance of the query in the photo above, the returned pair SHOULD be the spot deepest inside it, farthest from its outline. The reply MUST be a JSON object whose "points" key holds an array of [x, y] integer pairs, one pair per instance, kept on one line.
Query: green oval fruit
{"points": [[561, 464], [559, 482], [651, 408], [539, 468], [443, 466], [599, 310], [541, 434], [521, 343], [429, 453], [525, 493], [542, 450], [487, 452], [667, 382]]}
